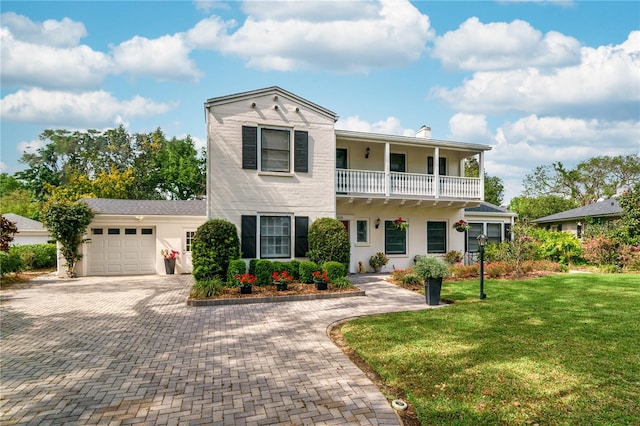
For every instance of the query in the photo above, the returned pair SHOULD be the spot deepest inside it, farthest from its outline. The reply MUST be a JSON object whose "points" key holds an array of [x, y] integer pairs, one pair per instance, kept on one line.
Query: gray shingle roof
{"points": [[24, 223], [148, 207], [486, 207], [603, 208]]}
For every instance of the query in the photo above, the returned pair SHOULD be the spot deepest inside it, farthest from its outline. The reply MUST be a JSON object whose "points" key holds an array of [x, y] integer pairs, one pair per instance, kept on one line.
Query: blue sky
{"points": [[539, 81]]}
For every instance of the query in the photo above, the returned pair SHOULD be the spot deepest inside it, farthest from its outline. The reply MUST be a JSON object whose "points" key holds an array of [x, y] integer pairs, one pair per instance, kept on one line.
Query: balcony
{"points": [[368, 183]]}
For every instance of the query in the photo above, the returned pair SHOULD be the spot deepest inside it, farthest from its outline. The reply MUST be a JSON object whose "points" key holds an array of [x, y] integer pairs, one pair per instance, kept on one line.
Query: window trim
{"points": [[288, 172], [368, 233], [406, 241], [446, 235], [259, 235]]}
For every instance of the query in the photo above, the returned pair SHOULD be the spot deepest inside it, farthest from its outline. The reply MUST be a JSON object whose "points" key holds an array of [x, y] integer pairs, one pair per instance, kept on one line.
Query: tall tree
{"points": [[182, 170], [530, 208], [630, 221], [493, 185], [590, 180]]}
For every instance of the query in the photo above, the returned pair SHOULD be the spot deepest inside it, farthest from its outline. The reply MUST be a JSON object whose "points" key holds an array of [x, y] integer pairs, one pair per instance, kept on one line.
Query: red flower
{"points": [[282, 277], [246, 279], [321, 275]]}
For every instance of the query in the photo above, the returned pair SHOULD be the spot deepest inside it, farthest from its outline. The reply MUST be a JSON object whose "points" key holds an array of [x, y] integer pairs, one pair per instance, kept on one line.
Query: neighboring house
{"points": [[29, 231], [276, 163], [126, 236], [576, 220]]}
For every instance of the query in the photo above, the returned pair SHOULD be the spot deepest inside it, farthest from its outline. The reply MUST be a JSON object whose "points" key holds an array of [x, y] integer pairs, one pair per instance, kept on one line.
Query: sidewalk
{"points": [[128, 350]]}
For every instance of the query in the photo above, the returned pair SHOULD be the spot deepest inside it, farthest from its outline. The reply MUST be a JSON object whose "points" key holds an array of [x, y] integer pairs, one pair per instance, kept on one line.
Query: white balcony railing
{"points": [[366, 182]]}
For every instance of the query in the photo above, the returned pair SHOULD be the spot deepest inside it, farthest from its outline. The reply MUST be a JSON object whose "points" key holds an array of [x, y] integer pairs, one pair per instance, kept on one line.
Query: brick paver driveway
{"points": [[128, 350]]}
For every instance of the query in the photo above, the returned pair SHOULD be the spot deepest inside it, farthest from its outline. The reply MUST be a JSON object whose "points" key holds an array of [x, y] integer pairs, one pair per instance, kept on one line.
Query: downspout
{"points": [[387, 169], [436, 172]]}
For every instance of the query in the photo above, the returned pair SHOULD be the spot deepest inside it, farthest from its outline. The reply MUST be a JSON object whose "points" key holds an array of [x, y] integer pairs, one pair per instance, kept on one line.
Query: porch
{"points": [[367, 183]]}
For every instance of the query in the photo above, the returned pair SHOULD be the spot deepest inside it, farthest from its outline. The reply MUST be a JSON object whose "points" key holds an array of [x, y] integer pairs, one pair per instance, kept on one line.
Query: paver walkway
{"points": [[128, 350]]}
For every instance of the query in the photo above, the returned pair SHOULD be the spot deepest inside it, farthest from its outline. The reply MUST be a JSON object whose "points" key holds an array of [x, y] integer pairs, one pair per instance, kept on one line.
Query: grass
{"points": [[558, 350]]}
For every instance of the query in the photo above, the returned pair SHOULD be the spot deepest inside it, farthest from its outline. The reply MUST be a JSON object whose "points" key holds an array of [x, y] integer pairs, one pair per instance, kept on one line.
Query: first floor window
{"points": [[436, 237], [395, 240], [494, 233], [188, 240], [362, 231], [477, 228], [275, 237]]}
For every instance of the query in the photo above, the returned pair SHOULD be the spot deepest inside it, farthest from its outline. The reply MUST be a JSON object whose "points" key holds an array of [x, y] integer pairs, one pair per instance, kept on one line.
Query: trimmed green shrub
{"points": [[264, 269], [294, 269], [557, 246], [252, 266], [215, 244], [334, 270], [279, 266], [36, 256], [236, 267], [10, 262], [411, 279], [341, 282], [307, 268], [328, 241], [206, 288]]}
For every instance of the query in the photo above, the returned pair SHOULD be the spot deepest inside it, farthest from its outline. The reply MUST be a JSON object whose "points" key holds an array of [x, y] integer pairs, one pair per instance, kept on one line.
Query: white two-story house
{"points": [[276, 163]]}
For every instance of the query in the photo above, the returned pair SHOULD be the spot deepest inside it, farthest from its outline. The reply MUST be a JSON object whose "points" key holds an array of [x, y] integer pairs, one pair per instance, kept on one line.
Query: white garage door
{"points": [[122, 251]]}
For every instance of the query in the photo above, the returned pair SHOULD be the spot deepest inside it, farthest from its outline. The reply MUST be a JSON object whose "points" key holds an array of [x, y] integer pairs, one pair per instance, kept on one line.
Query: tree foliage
{"points": [[630, 220], [530, 208], [493, 185], [67, 222], [590, 180], [8, 231], [113, 164]]}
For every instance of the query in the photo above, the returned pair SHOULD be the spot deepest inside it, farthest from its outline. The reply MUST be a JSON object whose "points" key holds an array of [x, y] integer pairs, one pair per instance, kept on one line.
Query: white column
{"points": [[387, 169], [436, 172], [481, 174]]}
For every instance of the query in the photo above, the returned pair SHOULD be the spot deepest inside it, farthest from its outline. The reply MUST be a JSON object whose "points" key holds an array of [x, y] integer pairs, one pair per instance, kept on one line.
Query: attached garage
{"points": [[127, 236], [121, 251]]}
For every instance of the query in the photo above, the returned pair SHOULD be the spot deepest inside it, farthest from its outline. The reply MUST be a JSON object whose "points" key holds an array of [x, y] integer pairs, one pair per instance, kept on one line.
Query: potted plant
{"points": [[432, 270], [321, 280], [170, 257], [461, 226], [282, 280], [246, 282], [400, 223], [378, 260], [452, 257]]}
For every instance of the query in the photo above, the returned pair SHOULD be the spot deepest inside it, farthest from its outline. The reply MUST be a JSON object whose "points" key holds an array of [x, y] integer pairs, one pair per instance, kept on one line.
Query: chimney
{"points": [[424, 132]]}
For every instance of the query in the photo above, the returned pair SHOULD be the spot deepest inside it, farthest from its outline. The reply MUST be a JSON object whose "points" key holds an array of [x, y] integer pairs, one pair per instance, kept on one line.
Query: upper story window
{"points": [[275, 150], [442, 165], [397, 163], [270, 149]]}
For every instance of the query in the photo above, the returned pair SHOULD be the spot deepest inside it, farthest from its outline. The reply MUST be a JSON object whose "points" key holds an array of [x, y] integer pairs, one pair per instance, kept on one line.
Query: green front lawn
{"points": [[562, 349]]}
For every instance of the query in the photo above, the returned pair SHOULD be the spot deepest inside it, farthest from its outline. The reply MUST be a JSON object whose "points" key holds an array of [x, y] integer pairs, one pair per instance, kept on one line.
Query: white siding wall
{"points": [[169, 232], [417, 232], [234, 191]]}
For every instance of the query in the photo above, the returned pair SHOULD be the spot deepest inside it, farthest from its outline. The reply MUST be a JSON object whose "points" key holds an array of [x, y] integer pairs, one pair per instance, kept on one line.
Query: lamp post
{"points": [[482, 241]]}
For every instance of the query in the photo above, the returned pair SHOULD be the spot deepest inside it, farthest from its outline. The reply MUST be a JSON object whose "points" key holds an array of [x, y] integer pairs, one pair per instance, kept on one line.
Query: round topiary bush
{"points": [[236, 267], [264, 269], [328, 241], [307, 268], [334, 270], [215, 244]]}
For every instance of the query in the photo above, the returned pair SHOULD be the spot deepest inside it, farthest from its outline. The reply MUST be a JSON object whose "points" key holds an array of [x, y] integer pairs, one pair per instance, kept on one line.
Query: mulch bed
{"points": [[271, 291]]}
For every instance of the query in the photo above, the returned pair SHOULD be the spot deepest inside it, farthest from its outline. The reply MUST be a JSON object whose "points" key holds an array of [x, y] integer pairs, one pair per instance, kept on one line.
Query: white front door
{"points": [[118, 250]]}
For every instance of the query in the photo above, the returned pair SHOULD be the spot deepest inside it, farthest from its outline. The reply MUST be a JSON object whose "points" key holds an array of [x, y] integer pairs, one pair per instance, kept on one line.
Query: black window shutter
{"points": [[249, 147], [301, 151], [430, 165], [507, 232], [248, 237], [442, 170], [302, 234]]}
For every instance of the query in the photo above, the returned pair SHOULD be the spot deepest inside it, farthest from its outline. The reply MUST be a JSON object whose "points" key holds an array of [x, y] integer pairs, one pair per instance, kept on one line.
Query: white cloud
{"points": [[469, 128], [604, 84], [64, 33], [389, 126], [64, 109], [30, 147], [292, 36], [166, 57], [476, 46], [27, 63]]}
